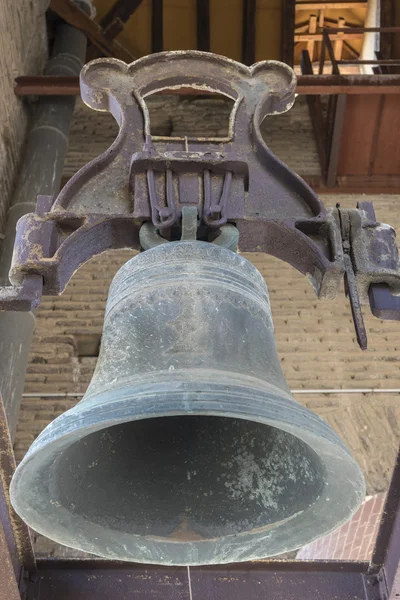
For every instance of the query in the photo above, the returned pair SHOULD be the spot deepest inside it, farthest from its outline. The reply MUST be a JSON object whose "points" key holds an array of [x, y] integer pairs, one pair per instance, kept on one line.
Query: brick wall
{"points": [[23, 50], [289, 135], [355, 540]]}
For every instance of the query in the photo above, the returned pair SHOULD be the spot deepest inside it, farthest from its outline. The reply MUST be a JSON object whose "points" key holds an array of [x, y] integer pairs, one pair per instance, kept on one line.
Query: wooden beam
{"points": [[46, 85], [249, 32], [336, 140], [338, 48], [365, 29], [157, 21], [351, 50], [114, 20], [329, 5], [73, 15], [287, 31], [203, 25], [312, 28], [328, 44], [317, 37]]}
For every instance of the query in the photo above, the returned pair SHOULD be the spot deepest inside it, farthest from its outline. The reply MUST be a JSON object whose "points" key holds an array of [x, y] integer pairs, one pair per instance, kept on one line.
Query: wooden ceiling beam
{"points": [[157, 20], [317, 37], [288, 31], [114, 20], [249, 32], [203, 25], [329, 5], [76, 17]]}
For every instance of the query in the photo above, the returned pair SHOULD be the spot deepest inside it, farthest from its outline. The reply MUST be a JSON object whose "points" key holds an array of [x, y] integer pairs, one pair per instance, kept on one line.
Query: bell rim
{"points": [[249, 545]]}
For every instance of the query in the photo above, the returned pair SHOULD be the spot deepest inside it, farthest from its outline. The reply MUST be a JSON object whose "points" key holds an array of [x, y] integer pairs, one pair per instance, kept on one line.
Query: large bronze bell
{"points": [[188, 447]]}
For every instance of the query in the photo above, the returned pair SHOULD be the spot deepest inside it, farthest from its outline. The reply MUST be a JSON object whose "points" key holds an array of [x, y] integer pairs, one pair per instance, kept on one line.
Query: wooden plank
{"points": [[203, 25], [329, 5], [338, 48], [328, 44], [358, 132], [114, 20], [157, 20], [317, 37], [249, 32], [312, 28], [73, 15], [387, 159], [336, 140], [351, 50], [287, 32]]}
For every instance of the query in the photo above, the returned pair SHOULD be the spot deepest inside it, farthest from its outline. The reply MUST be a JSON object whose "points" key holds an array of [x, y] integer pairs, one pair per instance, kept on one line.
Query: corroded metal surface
{"points": [[145, 179], [16, 533]]}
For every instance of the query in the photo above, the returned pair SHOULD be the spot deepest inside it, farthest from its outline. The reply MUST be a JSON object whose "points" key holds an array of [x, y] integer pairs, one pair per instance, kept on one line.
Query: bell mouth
{"points": [[110, 478], [188, 478]]}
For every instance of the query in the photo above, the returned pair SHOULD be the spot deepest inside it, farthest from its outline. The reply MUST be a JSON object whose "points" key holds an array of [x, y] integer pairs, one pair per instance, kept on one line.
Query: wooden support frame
{"points": [[312, 28], [157, 26], [338, 48], [249, 32], [72, 14], [203, 25], [114, 20], [329, 5], [288, 31]]}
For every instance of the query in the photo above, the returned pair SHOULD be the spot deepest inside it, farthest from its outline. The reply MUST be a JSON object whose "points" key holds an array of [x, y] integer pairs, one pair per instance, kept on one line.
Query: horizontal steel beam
{"points": [[42, 85], [279, 580]]}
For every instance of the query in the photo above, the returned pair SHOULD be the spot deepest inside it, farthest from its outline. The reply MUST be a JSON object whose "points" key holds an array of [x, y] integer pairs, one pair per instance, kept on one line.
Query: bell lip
{"points": [[345, 483]]}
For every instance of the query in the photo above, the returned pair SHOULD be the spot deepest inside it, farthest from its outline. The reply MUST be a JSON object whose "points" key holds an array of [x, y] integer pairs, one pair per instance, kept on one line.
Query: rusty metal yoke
{"points": [[143, 178]]}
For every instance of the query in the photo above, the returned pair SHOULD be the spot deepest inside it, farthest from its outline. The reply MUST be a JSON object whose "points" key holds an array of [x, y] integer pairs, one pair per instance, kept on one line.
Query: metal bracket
{"points": [[237, 181]]}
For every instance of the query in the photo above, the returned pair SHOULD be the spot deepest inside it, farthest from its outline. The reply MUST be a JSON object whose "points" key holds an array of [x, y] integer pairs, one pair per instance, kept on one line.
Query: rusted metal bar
{"points": [[157, 36], [76, 17], [328, 44], [42, 85], [394, 62], [203, 25], [280, 579], [249, 32]]}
